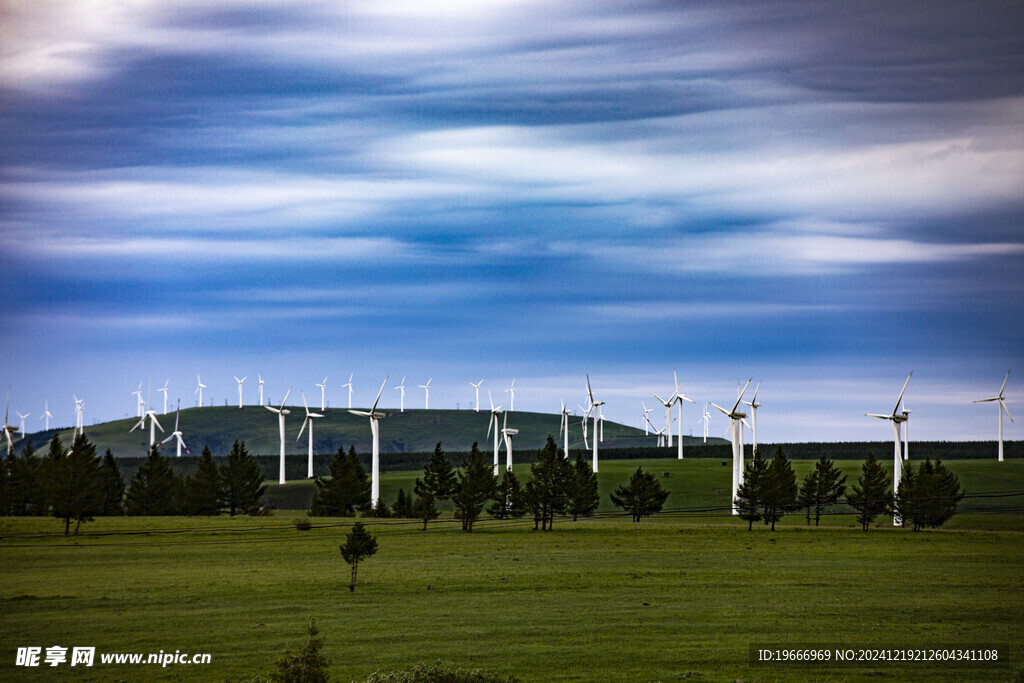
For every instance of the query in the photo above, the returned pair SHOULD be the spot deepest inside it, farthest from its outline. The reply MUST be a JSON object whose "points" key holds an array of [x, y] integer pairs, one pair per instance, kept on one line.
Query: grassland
{"points": [[675, 597]]}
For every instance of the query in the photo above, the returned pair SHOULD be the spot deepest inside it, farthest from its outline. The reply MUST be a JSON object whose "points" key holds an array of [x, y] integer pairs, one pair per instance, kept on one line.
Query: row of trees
{"points": [[77, 485], [927, 497]]}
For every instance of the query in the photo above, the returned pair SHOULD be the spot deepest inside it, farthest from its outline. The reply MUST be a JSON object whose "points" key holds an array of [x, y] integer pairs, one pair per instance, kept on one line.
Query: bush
{"points": [[438, 672], [303, 523]]}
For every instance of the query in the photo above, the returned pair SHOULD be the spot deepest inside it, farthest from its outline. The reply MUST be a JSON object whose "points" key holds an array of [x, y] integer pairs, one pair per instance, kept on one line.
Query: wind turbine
{"points": [[176, 434], [46, 415], [511, 391], [647, 421], [349, 385], [153, 424], [563, 427], [1000, 408], [426, 389], [22, 429], [477, 386], [164, 389], [754, 405], [281, 412], [79, 415], [199, 390], [401, 404], [897, 418], [323, 387], [309, 421], [375, 419], [261, 388], [583, 423], [8, 429], [240, 381], [594, 405], [492, 421], [736, 422], [668, 414], [680, 397], [139, 403], [507, 432], [706, 419]]}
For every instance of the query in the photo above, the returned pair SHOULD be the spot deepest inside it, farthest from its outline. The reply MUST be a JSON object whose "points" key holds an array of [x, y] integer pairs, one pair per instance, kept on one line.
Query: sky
{"points": [[819, 196]]}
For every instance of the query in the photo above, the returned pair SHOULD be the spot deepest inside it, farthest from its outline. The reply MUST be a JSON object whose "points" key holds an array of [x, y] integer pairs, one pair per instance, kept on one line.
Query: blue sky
{"points": [[822, 196]]}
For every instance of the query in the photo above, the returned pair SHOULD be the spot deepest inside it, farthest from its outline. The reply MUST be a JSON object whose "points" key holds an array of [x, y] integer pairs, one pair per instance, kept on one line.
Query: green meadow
{"points": [[680, 596]]}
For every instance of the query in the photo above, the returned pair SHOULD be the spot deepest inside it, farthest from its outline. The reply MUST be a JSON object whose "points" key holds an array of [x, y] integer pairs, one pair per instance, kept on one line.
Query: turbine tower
{"points": [[153, 425], [349, 385], [375, 419], [426, 389], [507, 432], [563, 428], [647, 421], [754, 405], [309, 421], [281, 412], [199, 390], [477, 386], [323, 387], [46, 415], [164, 389], [511, 391], [261, 388], [736, 422], [401, 404], [594, 405], [1000, 409], [897, 418], [706, 419], [680, 397], [492, 421], [240, 381], [176, 434], [21, 430]]}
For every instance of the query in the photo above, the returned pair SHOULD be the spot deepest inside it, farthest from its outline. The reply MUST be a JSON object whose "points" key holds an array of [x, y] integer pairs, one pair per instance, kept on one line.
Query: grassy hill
{"points": [[411, 431]]}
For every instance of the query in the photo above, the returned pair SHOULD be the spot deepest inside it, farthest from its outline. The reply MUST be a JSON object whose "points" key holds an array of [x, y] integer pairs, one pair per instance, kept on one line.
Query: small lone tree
{"points": [[475, 486], [423, 508], [359, 544], [872, 494], [748, 495], [583, 494], [642, 496], [308, 666]]}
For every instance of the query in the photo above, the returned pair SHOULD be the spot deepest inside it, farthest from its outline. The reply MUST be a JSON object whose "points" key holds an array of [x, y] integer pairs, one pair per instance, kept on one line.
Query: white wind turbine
{"points": [[261, 388], [511, 391], [240, 382], [46, 415], [426, 389], [281, 412], [897, 418], [199, 390], [647, 421], [323, 387], [79, 415], [375, 419], [563, 427], [164, 389], [680, 397], [594, 405], [754, 405], [583, 423], [507, 432], [736, 422], [492, 421], [349, 385], [1000, 400], [477, 386], [139, 402], [705, 418], [401, 388], [668, 414], [8, 429], [22, 429], [153, 425], [309, 421], [176, 434]]}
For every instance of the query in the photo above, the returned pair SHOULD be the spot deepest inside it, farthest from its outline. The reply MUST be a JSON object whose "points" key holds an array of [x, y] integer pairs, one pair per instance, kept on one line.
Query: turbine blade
{"points": [[289, 393], [1005, 410], [900, 399], [382, 391], [721, 409], [740, 397], [1004, 382]]}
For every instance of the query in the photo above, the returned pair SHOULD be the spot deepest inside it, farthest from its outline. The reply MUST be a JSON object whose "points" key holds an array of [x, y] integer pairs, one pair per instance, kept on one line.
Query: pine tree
{"points": [[346, 491], [75, 484], [26, 490], [423, 507], [113, 486], [475, 485], [359, 544], [380, 510], [928, 497], [438, 476], [403, 505], [583, 494], [204, 488], [5, 484], [947, 495], [749, 494], [642, 496], [872, 494], [905, 503], [780, 490], [509, 498], [309, 666], [155, 489], [808, 490], [547, 491], [241, 481], [827, 487]]}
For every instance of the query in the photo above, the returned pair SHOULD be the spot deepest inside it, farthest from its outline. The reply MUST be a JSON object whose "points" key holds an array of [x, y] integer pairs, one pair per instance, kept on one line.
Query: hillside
{"points": [[411, 431]]}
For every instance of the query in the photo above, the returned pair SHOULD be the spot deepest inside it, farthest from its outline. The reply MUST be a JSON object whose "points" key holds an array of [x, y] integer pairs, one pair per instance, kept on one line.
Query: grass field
{"points": [[675, 597]]}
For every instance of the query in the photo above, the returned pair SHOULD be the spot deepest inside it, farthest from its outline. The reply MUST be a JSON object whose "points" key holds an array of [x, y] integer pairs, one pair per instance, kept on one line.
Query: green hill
{"points": [[411, 431]]}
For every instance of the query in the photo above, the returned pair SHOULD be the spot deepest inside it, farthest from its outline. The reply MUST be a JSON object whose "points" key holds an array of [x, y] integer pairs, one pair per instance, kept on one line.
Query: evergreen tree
{"points": [[76, 485], [947, 494], [583, 494], [808, 488], [204, 488], [113, 486], [380, 510], [642, 496], [26, 490], [928, 497], [872, 494], [822, 488], [359, 544], [241, 481], [423, 507], [749, 494], [5, 484], [475, 485], [403, 505], [346, 492], [547, 491], [309, 666], [438, 476], [780, 490], [509, 498], [155, 488]]}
